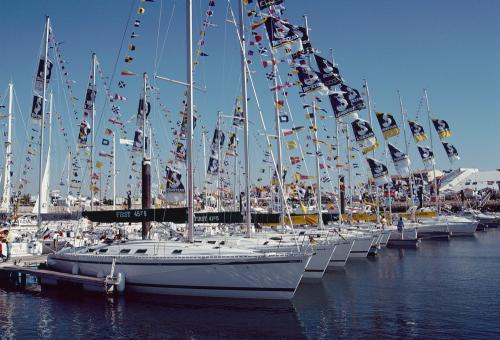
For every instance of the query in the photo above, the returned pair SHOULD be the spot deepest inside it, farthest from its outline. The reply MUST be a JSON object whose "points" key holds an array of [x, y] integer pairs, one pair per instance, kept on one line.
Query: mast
{"points": [[337, 141], [204, 186], [44, 94], [92, 136], [114, 172], [69, 181], [349, 184], [410, 175], [432, 148], [279, 166], [5, 206], [189, 156], [146, 163], [219, 187], [317, 150], [244, 103], [339, 197], [377, 203]]}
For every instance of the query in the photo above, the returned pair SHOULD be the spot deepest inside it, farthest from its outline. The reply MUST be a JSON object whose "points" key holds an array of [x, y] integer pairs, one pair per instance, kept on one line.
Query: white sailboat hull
{"points": [[320, 259], [361, 247], [340, 255], [255, 277]]}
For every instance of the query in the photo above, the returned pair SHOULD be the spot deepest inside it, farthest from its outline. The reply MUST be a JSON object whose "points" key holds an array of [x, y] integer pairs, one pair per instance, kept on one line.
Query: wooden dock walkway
{"points": [[17, 274]]}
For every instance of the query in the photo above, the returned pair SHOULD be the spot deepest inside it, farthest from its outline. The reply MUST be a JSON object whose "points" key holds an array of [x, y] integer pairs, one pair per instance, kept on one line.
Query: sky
{"points": [[447, 47]]}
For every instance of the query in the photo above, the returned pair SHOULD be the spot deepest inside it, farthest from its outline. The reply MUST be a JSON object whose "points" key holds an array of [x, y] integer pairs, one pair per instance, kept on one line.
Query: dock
{"points": [[17, 273]]}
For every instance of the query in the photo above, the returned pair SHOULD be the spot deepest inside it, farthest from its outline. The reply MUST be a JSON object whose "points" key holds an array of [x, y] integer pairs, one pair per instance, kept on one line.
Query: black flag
{"points": [[329, 74], [347, 102]]}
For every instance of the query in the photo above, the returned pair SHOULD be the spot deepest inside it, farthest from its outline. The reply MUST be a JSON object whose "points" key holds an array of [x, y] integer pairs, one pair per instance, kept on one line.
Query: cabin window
{"points": [[211, 242], [222, 243], [197, 241], [216, 247], [302, 233], [275, 238], [474, 183], [266, 243], [103, 250], [141, 251], [124, 251], [177, 251]]}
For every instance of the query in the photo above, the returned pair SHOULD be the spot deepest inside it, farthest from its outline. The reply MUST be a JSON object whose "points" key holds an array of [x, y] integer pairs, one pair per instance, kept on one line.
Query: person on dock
{"points": [[7, 238], [2, 241], [401, 224]]}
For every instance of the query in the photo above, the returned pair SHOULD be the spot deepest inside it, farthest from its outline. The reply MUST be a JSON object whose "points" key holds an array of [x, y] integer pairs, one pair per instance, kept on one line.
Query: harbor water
{"points": [[445, 289]]}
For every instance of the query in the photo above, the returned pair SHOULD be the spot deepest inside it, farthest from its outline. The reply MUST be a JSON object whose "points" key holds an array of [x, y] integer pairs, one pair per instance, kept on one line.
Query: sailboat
{"points": [[174, 268]]}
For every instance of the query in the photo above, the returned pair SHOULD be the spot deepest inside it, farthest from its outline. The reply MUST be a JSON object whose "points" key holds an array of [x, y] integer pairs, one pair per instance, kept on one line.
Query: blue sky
{"points": [[447, 47]]}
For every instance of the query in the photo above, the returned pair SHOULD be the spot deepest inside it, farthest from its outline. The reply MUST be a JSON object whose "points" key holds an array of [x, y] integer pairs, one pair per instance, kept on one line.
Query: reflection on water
{"points": [[442, 290], [144, 317]]}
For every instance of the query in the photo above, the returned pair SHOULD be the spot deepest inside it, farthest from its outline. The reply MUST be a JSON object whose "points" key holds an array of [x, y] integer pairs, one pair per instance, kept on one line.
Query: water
{"points": [[443, 290]]}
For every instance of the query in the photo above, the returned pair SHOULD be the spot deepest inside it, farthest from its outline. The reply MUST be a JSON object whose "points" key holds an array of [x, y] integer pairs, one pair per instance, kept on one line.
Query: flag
{"points": [[36, 110], [174, 183], [347, 101], [213, 165], [283, 119], [137, 146], [291, 145], [127, 73], [417, 131], [263, 4], [364, 135], [84, 132], [238, 115], [400, 159], [387, 124], [294, 160], [124, 141], [310, 82], [427, 156], [284, 37], [329, 74], [451, 152], [379, 172], [442, 128], [40, 75]]}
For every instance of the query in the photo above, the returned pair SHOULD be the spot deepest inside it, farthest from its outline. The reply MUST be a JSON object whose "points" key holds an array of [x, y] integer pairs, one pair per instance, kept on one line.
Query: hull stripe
{"points": [[178, 264], [259, 289]]}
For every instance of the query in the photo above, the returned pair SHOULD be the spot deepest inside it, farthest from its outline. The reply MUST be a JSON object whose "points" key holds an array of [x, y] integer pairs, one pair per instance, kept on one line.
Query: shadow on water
{"points": [[145, 316]]}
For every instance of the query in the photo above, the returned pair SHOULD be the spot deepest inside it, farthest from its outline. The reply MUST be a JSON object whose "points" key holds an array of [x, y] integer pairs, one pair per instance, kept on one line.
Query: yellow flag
{"points": [[141, 10], [98, 164], [291, 145]]}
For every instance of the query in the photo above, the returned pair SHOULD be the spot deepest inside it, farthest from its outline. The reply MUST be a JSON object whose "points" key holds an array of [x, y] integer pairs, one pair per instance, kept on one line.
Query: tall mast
{"points": [[244, 106], [432, 148], [146, 163], [410, 176], [377, 203], [349, 183], [279, 166], [189, 156], [317, 151], [44, 94], [337, 141], [69, 181], [219, 186], [114, 171], [204, 186], [92, 135], [8, 155]]}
